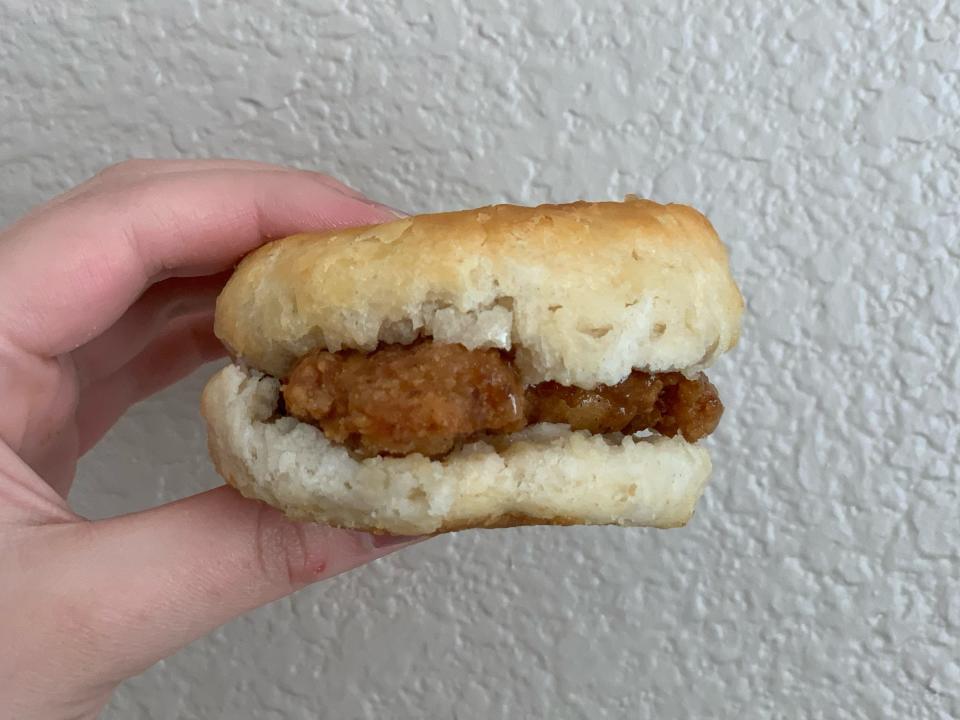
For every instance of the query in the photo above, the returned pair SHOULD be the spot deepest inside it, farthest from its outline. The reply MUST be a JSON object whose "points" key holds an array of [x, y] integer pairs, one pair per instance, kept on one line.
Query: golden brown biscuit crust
{"points": [[584, 291]]}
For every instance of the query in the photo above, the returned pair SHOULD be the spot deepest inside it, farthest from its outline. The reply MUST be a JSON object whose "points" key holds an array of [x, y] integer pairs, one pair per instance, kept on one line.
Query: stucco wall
{"points": [[821, 574]]}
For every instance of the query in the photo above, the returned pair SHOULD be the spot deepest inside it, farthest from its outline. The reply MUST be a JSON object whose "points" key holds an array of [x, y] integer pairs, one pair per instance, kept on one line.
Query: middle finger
{"points": [[149, 317]]}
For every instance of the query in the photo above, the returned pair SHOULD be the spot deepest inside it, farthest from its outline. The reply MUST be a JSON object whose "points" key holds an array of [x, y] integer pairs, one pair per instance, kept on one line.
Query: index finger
{"points": [[69, 273]]}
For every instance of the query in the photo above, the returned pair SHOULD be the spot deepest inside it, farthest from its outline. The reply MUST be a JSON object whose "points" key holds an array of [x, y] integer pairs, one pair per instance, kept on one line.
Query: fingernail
{"points": [[386, 541], [392, 211]]}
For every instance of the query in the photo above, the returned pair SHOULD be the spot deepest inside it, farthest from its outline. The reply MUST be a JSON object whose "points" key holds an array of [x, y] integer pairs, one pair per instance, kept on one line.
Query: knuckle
{"points": [[284, 554]]}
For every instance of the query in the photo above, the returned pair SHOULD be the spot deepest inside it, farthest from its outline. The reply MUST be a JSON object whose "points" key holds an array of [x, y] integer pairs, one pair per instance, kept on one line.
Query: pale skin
{"points": [[106, 296]]}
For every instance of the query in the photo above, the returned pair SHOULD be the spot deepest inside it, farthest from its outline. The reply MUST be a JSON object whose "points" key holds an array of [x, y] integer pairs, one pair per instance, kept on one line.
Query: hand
{"points": [[106, 296]]}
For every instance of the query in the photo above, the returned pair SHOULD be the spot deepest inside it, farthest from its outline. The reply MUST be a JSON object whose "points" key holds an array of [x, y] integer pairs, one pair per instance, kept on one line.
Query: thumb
{"points": [[153, 581]]}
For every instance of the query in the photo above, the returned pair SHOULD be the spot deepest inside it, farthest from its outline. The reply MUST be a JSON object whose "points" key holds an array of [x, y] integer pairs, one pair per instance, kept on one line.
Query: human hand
{"points": [[106, 296]]}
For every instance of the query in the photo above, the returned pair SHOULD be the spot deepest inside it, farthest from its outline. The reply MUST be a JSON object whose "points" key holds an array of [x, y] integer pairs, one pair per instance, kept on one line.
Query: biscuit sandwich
{"points": [[485, 368]]}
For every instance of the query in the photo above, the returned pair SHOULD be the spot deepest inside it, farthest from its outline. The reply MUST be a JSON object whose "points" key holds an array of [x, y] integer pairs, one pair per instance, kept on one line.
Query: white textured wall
{"points": [[821, 575]]}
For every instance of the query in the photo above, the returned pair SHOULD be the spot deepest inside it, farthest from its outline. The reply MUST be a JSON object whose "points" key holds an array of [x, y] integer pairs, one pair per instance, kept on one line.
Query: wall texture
{"points": [[821, 575]]}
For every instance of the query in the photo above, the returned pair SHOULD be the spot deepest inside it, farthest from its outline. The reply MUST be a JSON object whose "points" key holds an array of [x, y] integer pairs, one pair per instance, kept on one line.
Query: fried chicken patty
{"points": [[406, 399], [428, 397]]}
